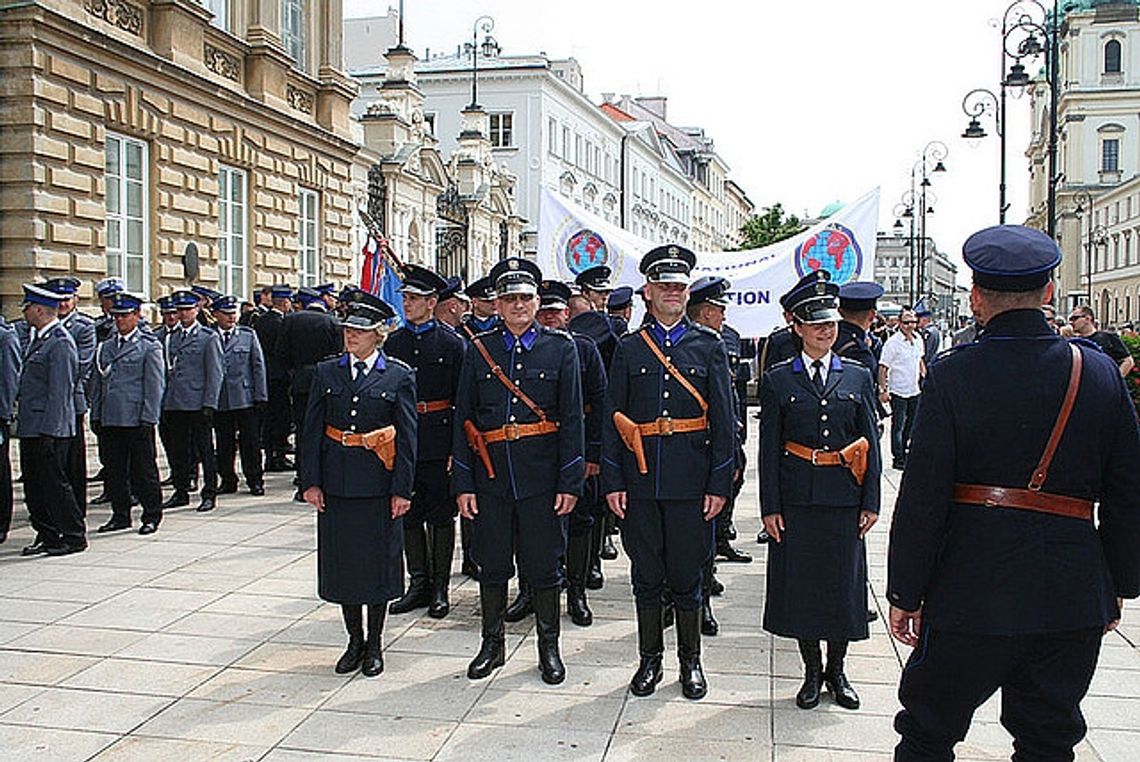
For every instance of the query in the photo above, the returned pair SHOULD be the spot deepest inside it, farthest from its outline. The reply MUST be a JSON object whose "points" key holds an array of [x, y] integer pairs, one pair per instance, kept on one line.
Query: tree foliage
{"points": [[769, 226]]}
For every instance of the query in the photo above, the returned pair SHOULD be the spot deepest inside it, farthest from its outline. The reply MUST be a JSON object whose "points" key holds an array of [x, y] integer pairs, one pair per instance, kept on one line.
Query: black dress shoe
{"points": [[595, 580], [373, 663], [730, 532], [177, 500], [207, 504], [647, 676], [808, 696], [872, 615], [298, 497], [65, 550], [101, 499], [35, 549], [350, 660], [148, 527], [257, 491], [732, 555], [716, 587], [113, 526], [227, 488], [763, 538], [841, 690], [609, 552]]}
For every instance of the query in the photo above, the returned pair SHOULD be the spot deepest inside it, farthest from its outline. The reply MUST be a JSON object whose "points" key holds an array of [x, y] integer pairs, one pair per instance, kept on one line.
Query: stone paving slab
{"points": [[207, 642]]}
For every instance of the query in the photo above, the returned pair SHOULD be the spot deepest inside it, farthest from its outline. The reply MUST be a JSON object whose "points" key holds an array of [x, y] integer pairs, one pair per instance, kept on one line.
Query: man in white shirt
{"points": [[900, 368]]}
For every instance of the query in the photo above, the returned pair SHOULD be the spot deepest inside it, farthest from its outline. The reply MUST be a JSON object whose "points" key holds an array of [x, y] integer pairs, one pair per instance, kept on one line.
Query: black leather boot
{"points": [[725, 550], [594, 577], [520, 608], [492, 653], [547, 625], [709, 625], [418, 593], [442, 549], [651, 645], [693, 683], [834, 678], [609, 551], [373, 663], [577, 559], [667, 611], [808, 697], [352, 656], [470, 568]]}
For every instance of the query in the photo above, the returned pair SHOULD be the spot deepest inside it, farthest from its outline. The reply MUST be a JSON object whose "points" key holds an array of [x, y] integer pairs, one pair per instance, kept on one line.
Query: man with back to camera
{"points": [[997, 574]]}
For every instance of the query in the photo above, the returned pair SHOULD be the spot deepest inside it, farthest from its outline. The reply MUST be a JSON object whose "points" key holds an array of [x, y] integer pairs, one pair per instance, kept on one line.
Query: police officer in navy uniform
{"points": [[127, 385], [194, 374], [82, 330], [451, 303], [484, 316], [518, 461], [594, 283], [670, 392], [435, 352], [361, 495], [817, 425], [997, 573], [619, 307], [275, 422], [308, 336], [244, 393], [11, 362], [45, 423], [554, 313]]}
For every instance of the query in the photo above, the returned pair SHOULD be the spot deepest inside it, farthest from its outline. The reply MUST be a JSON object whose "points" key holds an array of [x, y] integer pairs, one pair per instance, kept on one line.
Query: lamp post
{"points": [[929, 163], [905, 210], [1097, 236], [490, 46], [976, 103]]}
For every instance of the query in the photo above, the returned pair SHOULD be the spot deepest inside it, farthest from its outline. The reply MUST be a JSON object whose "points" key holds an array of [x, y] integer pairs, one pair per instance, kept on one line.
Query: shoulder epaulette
{"points": [[852, 361], [557, 332], [488, 332], [398, 362], [705, 329]]}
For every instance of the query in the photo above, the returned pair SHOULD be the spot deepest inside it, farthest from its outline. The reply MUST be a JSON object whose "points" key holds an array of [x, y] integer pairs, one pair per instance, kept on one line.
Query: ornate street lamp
{"points": [[977, 102], [490, 48], [904, 209], [1097, 236], [930, 162]]}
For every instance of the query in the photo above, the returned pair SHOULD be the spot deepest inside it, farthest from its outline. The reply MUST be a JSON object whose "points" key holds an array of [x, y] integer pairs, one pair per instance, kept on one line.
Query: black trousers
{"points": [[1042, 678], [589, 509], [275, 423], [902, 420], [541, 540], [52, 509], [77, 464], [300, 404], [5, 480], [190, 438], [131, 464], [239, 430], [668, 542], [432, 502]]}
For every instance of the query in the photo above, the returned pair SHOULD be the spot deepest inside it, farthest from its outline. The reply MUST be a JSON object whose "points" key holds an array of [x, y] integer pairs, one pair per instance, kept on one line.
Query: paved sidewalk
{"points": [[207, 641]]}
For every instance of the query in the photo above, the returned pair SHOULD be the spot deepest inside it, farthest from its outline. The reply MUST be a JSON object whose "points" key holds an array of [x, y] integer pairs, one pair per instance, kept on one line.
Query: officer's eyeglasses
{"points": [[910, 322], [1075, 318]]}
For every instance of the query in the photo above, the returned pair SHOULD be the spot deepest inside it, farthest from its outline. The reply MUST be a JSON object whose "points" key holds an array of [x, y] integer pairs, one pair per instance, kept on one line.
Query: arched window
{"points": [[1112, 57]]}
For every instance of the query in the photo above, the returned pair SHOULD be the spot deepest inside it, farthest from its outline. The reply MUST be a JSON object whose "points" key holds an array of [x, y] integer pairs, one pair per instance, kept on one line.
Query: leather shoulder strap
{"points": [[1042, 471], [499, 374], [644, 332]]}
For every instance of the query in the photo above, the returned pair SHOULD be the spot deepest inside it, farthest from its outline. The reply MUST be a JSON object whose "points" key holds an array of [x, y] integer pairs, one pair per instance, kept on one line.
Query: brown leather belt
{"points": [[667, 427], [1024, 499], [433, 406], [853, 457], [382, 442], [515, 431], [815, 457]]}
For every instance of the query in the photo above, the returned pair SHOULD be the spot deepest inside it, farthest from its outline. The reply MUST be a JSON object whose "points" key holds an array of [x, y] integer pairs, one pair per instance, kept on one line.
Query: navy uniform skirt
{"points": [[360, 551]]}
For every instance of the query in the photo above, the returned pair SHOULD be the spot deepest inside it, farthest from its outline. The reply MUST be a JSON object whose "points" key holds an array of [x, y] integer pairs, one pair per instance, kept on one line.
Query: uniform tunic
{"points": [[817, 573], [359, 545]]}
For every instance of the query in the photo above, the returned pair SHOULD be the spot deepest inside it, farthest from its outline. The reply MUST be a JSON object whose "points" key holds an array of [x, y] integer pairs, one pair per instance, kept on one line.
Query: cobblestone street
{"points": [[207, 641]]}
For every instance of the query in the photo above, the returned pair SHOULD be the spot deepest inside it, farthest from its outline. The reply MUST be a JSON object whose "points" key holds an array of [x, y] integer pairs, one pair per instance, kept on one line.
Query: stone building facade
{"points": [[133, 133]]}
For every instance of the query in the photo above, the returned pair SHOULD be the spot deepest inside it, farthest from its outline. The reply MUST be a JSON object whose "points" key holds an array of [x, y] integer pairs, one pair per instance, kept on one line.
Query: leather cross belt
{"points": [[1023, 499], [433, 406], [514, 431], [667, 427]]}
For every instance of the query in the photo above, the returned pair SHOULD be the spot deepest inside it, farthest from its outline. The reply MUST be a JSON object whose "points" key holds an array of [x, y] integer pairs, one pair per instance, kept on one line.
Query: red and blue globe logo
{"points": [[833, 249], [585, 249]]}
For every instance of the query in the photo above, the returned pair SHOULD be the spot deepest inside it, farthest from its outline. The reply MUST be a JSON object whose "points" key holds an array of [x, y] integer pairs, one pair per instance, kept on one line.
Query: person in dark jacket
{"points": [[11, 362], [518, 462], [361, 494], [435, 353], [276, 419], [817, 412], [667, 472], [998, 575]]}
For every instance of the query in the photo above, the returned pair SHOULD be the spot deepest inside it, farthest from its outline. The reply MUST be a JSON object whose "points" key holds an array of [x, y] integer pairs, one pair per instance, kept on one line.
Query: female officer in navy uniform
{"points": [[355, 400], [818, 432]]}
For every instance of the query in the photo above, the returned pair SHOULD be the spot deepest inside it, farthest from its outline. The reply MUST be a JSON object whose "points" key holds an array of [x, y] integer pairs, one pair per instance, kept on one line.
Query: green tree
{"points": [[769, 226]]}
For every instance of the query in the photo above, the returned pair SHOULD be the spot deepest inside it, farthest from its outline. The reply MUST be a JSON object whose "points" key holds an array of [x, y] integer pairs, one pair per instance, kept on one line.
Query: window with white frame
{"points": [[501, 130], [308, 254], [293, 31], [565, 143], [221, 11], [552, 135], [232, 266], [125, 161], [1110, 155]]}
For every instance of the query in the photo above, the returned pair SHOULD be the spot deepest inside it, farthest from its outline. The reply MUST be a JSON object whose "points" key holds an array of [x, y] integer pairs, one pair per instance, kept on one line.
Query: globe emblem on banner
{"points": [[833, 249], [585, 249]]}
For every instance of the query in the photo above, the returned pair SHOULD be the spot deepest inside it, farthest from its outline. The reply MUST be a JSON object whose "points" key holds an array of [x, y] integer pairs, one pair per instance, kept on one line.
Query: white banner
{"points": [[571, 239]]}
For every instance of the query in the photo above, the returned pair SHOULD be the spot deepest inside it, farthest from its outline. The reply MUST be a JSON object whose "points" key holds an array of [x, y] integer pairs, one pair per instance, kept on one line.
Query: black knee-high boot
{"points": [[353, 622], [577, 561], [373, 659], [709, 625], [492, 652], [834, 677], [418, 594], [808, 697], [442, 545]]}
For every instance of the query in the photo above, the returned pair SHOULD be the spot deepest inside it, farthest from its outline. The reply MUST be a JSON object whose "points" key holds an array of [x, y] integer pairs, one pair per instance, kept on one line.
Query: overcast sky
{"points": [[808, 102]]}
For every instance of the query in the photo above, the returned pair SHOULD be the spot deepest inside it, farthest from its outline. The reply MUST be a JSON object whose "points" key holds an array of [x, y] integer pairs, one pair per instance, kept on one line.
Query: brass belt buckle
{"points": [[421, 407], [814, 456], [344, 438], [511, 432], [664, 426]]}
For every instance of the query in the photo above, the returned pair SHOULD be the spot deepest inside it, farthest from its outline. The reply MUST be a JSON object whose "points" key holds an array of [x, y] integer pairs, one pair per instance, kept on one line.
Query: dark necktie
{"points": [[122, 342], [817, 375], [360, 365], [225, 338]]}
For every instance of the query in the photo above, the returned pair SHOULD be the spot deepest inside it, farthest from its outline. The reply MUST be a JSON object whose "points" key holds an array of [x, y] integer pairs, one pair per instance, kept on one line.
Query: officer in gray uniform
{"points": [[126, 401], [193, 385], [45, 423], [82, 330], [244, 393], [10, 365]]}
